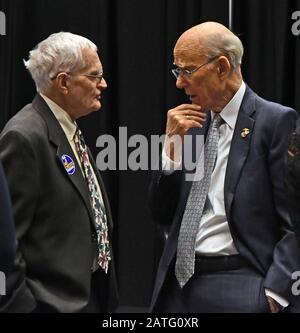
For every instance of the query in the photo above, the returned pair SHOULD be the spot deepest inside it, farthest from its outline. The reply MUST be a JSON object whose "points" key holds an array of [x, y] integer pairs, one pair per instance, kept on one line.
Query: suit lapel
{"points": [[239, 147], [58, 138]]}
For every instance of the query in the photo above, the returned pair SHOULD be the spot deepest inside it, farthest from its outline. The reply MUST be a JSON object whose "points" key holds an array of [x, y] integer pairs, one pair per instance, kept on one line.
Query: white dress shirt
{"points": [[214, 236]]}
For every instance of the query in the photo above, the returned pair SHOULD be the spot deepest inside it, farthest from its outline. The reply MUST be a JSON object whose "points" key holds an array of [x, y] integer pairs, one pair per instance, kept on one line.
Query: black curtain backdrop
{"points": [[271, 63], [136, 40]]}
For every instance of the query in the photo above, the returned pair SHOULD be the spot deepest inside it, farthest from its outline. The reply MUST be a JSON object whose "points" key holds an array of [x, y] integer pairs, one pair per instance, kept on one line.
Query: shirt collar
{"points": [[230, 113], [68, 125]]}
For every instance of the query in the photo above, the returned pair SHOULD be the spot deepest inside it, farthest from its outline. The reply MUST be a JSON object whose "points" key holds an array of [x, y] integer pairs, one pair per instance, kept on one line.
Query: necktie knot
{"points": [[78, 137], [77, 132], [217, 121]]}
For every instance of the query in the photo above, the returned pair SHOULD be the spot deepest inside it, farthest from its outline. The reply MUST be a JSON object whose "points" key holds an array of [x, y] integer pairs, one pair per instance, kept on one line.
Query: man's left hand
{"points": [[274, 306]]}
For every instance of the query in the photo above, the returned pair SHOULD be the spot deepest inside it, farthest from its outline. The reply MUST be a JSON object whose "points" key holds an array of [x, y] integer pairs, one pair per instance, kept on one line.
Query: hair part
{"points": [[60, 52]]}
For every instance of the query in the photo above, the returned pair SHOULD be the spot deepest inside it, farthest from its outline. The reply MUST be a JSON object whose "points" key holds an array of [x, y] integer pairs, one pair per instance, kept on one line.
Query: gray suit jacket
{"points": [[53, 217], [7, 232]]}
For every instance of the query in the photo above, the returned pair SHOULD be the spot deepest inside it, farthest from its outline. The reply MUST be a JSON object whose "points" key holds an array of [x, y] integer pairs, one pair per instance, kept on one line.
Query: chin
{"points": [[196, 101], [96, 107]]}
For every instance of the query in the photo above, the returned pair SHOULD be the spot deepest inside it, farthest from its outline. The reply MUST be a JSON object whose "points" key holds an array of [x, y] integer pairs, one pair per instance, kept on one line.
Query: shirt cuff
{"points": [[169, 166], [279, 299]]}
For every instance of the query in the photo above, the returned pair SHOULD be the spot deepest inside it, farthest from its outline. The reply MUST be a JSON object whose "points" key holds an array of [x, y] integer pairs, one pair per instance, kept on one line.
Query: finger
{"points": [[189, 113], [191, 123], [189, 107], [194, 124], [197, 118]]}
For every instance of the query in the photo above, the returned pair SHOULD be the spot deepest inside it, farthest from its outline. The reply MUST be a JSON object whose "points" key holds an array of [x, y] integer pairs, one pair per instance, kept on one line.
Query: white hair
{"points": [[225, 44], [60, 52]]}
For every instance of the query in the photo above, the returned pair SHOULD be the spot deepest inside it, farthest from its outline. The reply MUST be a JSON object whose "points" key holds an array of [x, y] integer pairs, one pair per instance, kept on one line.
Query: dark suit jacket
{"points": [[255, 200], [53, 217], [293, 179], [7, 232]]}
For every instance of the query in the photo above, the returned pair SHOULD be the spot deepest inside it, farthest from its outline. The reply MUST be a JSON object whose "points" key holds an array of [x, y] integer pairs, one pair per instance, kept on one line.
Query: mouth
{"points": [[98, 97]]}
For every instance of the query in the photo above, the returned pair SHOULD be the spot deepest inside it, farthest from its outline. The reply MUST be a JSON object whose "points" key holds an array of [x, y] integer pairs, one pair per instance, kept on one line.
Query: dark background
{"points": [[136, 40]]}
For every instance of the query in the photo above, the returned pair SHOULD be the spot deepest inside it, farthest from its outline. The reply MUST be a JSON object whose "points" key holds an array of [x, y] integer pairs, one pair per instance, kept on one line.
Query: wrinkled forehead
{"points": [[188, 51]]}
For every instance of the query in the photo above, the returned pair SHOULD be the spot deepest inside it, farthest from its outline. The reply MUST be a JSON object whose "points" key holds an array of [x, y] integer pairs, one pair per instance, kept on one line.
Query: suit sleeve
{"points": [[7, 232], [20, 164], [285, 255], [164, 195], [292, 164]]}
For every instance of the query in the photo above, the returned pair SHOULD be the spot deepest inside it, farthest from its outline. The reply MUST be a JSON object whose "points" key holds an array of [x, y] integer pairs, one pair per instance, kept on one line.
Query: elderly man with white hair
{"points": [[64, 260]]}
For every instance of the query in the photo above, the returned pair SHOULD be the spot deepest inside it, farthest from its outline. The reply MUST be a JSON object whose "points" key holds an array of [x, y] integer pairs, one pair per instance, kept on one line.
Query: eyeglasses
{"points": [[93, 77], [186, 72]]}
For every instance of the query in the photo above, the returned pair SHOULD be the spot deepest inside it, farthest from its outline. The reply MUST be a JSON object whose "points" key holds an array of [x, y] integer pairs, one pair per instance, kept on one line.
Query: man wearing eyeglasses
{"points": [[231, 246], [64, 260]]}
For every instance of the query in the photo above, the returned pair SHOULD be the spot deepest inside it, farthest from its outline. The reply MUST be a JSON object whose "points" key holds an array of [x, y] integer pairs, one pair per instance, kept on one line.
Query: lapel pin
{"points": [[68, 164], [245, 133]]}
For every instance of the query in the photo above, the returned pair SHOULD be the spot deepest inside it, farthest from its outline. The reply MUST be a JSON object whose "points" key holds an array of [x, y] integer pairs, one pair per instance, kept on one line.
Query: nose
{"points": [[102, 84], [181, 82]]}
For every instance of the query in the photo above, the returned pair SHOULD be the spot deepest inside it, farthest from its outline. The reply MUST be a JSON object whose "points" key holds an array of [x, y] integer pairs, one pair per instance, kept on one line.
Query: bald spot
{"points": [[192, 42]]}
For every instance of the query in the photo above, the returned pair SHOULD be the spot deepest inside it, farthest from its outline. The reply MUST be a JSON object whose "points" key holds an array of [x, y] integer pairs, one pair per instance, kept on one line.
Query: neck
{"points": [[59, 100]]}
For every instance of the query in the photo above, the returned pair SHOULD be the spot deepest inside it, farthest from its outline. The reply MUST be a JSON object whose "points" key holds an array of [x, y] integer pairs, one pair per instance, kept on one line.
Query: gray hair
{"points": [[228, 45], [60, 52]]}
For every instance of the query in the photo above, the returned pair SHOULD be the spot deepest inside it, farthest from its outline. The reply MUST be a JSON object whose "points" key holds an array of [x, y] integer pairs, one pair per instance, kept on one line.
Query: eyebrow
{"points": [[185, 67], [95, 72]]}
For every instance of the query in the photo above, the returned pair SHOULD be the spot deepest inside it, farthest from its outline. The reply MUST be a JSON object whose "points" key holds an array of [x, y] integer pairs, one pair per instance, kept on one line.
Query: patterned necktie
{"points": [[185, 261], [97, 206]]}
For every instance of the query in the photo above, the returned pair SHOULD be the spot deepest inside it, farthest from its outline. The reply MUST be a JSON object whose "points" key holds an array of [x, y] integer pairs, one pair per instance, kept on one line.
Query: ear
{"points": [[62, 83], [224, 67]]}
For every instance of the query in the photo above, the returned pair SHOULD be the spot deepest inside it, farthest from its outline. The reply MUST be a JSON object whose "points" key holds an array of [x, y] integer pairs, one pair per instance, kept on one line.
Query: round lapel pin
{"points": [[68, 164], [245, 133]]}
